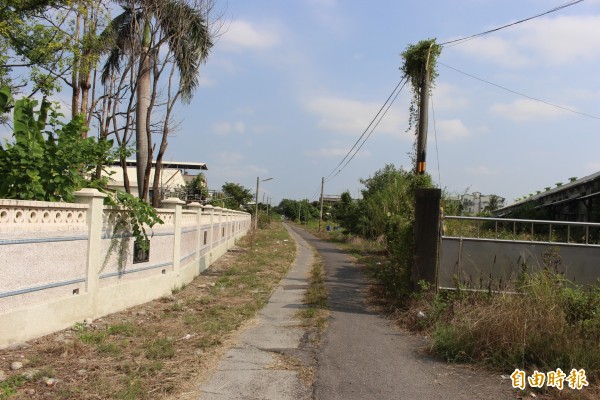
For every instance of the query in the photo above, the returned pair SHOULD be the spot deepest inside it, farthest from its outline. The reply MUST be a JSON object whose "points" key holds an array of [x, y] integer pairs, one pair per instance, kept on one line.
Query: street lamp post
{"points": [[258, 180]]}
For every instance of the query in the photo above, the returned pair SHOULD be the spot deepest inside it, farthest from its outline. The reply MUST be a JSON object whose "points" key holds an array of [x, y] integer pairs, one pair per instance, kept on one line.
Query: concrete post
{"points": [[218, 215], [210, 210], [197, 207], [427, 220], [95, 201], [173, 203]]}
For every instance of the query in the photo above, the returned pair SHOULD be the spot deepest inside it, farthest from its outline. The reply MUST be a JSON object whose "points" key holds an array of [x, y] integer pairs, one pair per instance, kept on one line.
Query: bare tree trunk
{"points": [[76, 60], [141, 120]]}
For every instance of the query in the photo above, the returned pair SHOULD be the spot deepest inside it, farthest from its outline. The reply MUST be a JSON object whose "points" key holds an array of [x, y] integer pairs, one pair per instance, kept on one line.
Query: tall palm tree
{"points": [[139, 32]]}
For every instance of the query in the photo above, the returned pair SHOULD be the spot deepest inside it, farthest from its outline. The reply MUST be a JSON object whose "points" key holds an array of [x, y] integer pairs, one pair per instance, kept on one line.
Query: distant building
{"points": [[475, 203], [332, 198], [576, 200], [173, 176]]}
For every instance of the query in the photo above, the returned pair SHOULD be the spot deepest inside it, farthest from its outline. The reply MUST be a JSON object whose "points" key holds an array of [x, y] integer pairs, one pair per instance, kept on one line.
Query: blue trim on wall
{"points": [[131, 271], [42, 240], [193, 253], [43, 287]]}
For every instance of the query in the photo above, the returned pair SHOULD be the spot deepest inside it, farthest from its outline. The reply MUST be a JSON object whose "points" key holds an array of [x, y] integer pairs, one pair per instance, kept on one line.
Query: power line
{"points": [[519, 93], [372, 130], [465, 39], [365, 131]]}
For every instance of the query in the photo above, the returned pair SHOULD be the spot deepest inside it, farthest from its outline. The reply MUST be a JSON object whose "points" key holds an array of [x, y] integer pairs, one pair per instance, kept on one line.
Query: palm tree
{"points": [[139, 32]]}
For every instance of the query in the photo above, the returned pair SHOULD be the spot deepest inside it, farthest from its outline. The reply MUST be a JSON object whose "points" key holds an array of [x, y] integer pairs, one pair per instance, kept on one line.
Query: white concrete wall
{"points": [[55, 269]]}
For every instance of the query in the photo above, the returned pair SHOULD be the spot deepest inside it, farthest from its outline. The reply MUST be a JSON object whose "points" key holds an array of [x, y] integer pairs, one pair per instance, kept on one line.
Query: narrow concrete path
{"points": [[250, 370], [364, 357]]}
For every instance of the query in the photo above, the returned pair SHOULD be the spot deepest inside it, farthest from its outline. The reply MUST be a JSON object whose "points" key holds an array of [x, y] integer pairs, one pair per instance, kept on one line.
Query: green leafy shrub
{"points": [[48, 159]]}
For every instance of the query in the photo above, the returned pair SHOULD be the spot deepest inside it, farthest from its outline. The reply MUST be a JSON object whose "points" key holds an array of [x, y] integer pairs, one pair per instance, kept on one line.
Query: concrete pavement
{"points": [[362, 355], [250, 370]]}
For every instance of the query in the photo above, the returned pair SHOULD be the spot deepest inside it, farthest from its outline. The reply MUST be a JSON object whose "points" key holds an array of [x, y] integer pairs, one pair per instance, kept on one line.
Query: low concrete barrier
{"points": [[55, 266]]}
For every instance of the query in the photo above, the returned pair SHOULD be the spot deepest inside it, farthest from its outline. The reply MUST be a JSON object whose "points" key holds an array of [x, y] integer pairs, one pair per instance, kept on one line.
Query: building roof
{"points": [[169, 177], [169, 164], [558, 189]]}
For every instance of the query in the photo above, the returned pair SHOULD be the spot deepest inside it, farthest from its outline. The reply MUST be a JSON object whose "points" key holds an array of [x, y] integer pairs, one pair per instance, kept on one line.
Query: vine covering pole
{"points": [[423, 117], [420, 68]]}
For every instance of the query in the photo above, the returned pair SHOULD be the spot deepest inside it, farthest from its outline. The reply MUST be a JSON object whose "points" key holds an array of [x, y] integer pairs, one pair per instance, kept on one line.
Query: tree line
{"points": [[127, 64]]}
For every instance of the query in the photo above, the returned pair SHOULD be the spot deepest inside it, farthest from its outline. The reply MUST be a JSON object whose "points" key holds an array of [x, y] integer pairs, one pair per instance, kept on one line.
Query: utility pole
{"points": [[268, 203], [256, 206], [321, 213], [299, 213], [423, 118]]}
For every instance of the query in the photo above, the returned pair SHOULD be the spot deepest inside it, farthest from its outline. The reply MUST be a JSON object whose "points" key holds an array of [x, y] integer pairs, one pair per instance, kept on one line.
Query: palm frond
{"points": [[188, 37], [118, 39]]}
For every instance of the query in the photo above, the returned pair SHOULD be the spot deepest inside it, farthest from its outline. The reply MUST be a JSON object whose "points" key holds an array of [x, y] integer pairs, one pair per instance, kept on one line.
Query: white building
{"points": [[171, 176], [473, 204]]}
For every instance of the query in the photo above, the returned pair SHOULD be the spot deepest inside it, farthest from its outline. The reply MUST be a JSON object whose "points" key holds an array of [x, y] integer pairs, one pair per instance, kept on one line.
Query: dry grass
{"points": [[316, 314], [154, 350], [543, 328]]}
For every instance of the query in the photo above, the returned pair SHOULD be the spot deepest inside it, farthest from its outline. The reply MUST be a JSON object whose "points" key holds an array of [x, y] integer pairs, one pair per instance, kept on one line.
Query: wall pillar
{"points": [[95, 202], [197, 207], [173, 203]]}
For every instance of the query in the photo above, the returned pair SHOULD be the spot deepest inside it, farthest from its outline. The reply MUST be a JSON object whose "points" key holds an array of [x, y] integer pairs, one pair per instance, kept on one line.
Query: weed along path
{"points": [[362, 356], [266, 362]]}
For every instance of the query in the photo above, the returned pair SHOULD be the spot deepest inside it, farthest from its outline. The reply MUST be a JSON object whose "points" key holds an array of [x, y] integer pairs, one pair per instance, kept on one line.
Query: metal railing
{"points": [[522, 230]]}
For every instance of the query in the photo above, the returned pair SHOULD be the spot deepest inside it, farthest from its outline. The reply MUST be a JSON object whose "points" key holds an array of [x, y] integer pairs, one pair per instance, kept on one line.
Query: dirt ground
{"points": [[158, 349]]}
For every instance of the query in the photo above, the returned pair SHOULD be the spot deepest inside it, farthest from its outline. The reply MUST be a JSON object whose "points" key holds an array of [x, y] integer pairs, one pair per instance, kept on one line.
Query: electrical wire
{"points": [[465, 39], [372, 130], [519, 93], [365, 131]]}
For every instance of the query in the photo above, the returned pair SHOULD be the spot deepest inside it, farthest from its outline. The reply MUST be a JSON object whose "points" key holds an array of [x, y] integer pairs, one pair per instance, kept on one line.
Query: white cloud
{"points": [[231, 166], [496, 50], [554, 40], [229, 157], [481, 170], [205, 81], [328, 14], [563, 39], [525, 109], [592, 167], [451, 129], [246, 35], [353, 116], [448, 97], [336, 152], [226, 128]]}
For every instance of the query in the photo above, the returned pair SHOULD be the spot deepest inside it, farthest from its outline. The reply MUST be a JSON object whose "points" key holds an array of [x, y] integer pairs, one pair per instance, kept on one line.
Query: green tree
{"points": [[47, 160], [144, 27], [197, 188], [235, 195]]}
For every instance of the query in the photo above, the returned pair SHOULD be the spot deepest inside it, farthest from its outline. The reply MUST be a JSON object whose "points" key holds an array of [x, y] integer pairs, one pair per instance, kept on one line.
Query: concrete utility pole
{"points": [[256, 201], [423, 117], [268, 204], [256, 206], [321, 213]]}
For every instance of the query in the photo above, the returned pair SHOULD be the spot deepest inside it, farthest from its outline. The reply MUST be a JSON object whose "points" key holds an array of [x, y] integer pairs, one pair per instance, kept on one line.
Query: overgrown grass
{"points": [[315, 297], [9, 387], [546, 324], [154, 350]]}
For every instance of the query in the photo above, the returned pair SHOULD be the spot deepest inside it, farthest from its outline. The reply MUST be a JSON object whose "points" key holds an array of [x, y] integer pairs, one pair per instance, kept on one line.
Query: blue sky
{"points": [[291, 84]]}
